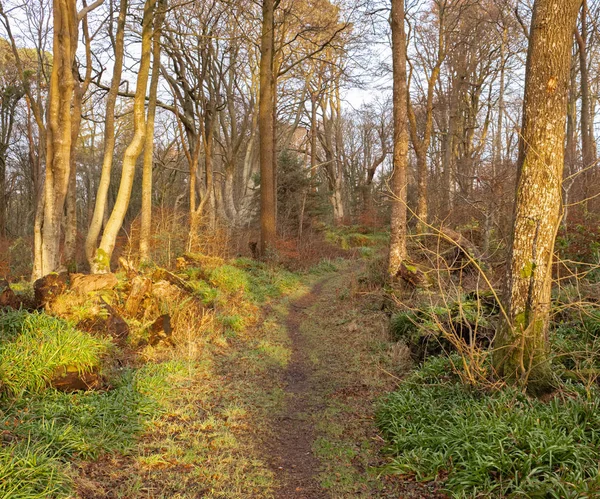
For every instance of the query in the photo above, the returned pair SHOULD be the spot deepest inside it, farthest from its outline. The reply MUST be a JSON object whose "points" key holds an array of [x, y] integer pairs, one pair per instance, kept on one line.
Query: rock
{"points": [[7, 295], [161, 330], [69, 379], [48, 288], [140, 287], [83, 284]]}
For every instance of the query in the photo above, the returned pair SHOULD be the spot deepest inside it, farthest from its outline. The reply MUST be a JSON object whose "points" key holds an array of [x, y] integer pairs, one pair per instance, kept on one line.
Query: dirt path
{"points": [[293, 460], [325, 443]]}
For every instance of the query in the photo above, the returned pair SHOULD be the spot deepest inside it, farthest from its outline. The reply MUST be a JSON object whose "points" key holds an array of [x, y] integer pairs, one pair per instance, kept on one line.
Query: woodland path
{"points": [[325, 443], [284, 410]]}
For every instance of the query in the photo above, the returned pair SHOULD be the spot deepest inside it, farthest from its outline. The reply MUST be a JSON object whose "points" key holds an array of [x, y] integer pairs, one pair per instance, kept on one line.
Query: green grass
{"points": [[49, 429], [33, 346], [500, 444], [29, 471], [265, 282]]}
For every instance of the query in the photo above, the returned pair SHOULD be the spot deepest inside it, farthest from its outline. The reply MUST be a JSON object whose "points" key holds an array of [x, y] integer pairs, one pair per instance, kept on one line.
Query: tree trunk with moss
{"points": [[398, 182], [101, 263], [521, 348], [100, 205]]}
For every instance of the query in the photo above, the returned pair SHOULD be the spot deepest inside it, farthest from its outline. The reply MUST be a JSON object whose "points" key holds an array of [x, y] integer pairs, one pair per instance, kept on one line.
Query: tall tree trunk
{"points": [[146, 218], [134, 149], [100, 205], [588, 146], [265, 124], [448, 153], [570, 145], [398, 252], [80, 89], [521, 344], [3, 200], [59, 133]]}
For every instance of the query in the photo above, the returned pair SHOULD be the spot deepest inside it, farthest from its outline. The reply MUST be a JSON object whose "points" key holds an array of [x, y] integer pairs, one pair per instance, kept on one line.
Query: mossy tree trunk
{"points": [[521, 345], [100, 205], [113, 226], [398, 183]]}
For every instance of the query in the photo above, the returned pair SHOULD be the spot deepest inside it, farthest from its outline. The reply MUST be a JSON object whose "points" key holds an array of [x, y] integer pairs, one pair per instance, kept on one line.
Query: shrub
{"points": [[404, 326]]}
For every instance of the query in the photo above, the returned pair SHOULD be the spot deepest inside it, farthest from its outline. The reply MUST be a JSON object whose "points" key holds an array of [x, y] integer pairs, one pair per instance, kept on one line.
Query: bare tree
{"points": [[398, 253]]}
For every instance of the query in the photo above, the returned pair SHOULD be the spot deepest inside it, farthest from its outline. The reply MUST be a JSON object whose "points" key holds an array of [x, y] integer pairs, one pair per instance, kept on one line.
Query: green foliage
{"points": [[500, 444], [205, 292], [28, 471], [355, 237], [404, 326], [591, 323], [325, 266], [52, 427], [265, 281], [234, 323], [33, 346], [428, 331], [229, 279]]}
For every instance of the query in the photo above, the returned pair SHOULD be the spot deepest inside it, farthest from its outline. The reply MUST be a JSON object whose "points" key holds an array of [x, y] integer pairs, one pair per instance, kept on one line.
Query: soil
{"points": [[293, 460]]}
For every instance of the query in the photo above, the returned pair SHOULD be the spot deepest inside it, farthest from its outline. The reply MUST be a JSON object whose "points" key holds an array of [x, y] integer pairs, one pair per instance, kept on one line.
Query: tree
{"points": [[146, 217], [521, 344], [11, 93], [265, 123], [113, 226], [117, 41], [59, 131], [421, 143], [398, 182]]}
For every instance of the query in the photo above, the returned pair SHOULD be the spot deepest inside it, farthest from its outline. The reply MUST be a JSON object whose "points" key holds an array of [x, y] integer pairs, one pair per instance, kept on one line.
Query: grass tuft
{"points": [[33, 346]]}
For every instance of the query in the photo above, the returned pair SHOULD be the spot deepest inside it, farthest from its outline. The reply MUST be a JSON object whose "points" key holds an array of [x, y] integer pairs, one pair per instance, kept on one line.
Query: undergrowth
{"points": [[47, 430], [33, 346], [169, 394], [501, 444]]}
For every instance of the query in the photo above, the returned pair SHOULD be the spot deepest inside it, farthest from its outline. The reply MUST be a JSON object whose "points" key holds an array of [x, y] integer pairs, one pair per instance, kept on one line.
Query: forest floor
{"points": [[325, 440], [286, 410]]}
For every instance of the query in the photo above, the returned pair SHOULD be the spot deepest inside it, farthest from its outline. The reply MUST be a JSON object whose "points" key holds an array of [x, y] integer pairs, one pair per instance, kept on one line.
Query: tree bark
{"points": [[588, 146], [521, 344], [265, 124], [100, 204], [59, 133], [146, 217], [133, 151], [398, 252]]}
